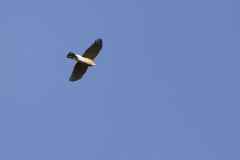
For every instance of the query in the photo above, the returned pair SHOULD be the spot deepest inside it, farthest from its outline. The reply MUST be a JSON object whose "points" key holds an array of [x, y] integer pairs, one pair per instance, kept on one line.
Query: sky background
{"points": [[166, 84]]}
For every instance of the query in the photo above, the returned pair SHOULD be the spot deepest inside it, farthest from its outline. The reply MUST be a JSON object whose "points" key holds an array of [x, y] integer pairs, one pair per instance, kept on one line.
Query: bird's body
{"points": [[84, 61]]}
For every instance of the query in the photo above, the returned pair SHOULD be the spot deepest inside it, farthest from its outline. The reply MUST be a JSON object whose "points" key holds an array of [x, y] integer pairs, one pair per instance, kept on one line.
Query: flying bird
{"points": [[84, 61]]}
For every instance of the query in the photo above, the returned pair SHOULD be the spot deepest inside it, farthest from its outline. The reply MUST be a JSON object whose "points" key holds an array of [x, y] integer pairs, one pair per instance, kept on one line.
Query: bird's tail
{"points": [[71, 55]]}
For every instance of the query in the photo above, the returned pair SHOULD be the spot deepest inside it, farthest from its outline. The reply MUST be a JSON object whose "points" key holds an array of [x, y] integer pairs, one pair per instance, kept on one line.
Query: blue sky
{"points": [[166, 83]]}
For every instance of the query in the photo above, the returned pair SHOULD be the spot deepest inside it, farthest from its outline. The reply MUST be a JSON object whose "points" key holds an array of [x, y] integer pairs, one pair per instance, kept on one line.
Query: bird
{"points": [[84, 61]]}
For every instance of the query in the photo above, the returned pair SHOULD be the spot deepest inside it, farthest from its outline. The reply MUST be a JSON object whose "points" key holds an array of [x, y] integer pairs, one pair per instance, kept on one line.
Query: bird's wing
{"points": [[93, 50], [78, 71]]}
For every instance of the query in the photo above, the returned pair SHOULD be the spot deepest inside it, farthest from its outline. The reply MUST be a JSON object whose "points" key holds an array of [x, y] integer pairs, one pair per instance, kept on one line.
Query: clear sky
{"points": [[166, 84]]}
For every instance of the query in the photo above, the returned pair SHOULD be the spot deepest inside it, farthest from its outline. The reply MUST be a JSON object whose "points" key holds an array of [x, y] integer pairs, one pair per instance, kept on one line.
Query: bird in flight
{"points": [[84, 61]]}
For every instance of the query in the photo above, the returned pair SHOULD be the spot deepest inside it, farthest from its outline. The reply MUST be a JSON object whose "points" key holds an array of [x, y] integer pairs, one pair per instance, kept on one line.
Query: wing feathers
{"points": [[93, 50], [78, 71]]}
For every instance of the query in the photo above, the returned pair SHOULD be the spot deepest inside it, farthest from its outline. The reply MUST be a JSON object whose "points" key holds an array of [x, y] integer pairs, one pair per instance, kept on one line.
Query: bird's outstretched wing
{"points": [[78, 71], [93, 50]]}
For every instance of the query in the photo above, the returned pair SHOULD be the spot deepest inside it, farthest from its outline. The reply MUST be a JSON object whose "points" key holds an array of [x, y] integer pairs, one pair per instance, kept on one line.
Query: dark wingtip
{"points": [[98, 41], [71, 79]]}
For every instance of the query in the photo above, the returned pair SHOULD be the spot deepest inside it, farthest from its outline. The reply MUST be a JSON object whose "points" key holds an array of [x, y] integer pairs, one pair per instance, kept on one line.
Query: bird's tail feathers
{"points": [[71, 55]]}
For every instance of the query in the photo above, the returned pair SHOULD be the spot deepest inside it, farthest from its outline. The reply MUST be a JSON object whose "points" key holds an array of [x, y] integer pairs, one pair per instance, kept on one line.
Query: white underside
{"points": [[84, 60]]}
